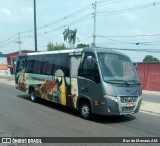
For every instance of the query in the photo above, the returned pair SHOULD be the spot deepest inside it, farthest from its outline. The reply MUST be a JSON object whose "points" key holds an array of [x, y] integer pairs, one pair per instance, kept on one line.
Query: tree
{"points": [[51, 47], [150, 58], [70, 36], [82, 45]]}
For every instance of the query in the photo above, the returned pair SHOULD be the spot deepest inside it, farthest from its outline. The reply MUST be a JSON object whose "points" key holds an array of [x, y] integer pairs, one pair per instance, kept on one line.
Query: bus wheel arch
{"points": [[85, 108]]}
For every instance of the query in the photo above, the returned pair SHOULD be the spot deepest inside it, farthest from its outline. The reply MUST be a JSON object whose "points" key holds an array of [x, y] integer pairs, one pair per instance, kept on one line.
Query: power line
{"points": [[130, 9], [8, 39], [133, 43], [136, 50], [68, 16], [85, 38], [80, 11], [142, 35], [117, 40], [108, 2], [84, 18], [80, 20]]}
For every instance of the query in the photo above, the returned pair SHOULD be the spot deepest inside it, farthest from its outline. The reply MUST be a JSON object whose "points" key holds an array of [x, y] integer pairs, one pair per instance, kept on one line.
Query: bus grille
{"points": [[125, 99]]}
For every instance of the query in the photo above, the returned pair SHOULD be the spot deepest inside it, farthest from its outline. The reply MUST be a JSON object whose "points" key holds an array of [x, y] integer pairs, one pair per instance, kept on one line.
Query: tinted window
{"points": [[37, 63], [21, 63], [46, 66], [61, 61], [89, 71], [29, 64]]}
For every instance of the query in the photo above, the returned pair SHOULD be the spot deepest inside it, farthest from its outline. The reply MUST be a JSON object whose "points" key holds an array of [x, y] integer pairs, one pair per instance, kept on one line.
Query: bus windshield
{"points": [[117, 68]]}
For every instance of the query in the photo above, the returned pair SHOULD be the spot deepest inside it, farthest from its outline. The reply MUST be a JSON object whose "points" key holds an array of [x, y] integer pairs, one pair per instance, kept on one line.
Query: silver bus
{"points": [[91, 80]]}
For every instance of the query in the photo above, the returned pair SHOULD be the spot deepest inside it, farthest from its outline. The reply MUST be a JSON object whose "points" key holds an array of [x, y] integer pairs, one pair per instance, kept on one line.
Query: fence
{"points": [[149, 74]]}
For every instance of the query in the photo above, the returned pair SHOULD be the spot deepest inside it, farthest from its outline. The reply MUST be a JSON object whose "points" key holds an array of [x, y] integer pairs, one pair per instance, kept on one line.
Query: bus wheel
{"points": [[85, 110], [32, 96]]}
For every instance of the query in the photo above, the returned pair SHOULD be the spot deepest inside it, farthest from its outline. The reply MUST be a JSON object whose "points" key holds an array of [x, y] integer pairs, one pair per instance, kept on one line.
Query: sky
{"points": [[120, 24]]}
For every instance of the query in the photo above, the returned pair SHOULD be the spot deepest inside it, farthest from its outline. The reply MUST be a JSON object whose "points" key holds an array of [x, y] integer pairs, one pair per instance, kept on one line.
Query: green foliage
{"points": [[150, 58], [82, 45], [51, 47], [70, 36]]}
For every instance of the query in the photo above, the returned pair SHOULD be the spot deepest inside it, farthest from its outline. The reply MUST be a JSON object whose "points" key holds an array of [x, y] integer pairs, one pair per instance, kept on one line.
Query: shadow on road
{"points": [[52, 105], [113, 119], [96, 118]]}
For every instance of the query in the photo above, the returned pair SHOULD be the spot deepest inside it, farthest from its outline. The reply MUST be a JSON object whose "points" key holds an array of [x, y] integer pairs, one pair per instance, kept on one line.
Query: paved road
{"points": [[21, 117]]}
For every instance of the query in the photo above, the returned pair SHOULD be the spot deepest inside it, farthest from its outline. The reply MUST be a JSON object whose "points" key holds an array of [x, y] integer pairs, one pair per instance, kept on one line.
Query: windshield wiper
{"points": [[117, 82], [135, 81]]}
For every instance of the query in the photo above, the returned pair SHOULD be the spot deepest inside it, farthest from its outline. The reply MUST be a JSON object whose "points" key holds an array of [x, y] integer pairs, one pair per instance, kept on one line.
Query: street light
{"points": [[35, 26]]}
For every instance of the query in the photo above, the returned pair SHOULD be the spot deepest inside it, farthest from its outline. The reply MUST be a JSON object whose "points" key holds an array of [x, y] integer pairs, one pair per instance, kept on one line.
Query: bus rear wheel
{"points": [[32, 96], [85, 110]]}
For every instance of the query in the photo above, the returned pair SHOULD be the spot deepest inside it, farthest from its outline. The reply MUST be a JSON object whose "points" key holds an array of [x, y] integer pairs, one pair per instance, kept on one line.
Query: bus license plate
{"points": [[130, 104]]}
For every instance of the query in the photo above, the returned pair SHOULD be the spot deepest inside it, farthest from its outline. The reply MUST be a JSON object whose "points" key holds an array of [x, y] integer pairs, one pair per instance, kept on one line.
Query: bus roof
{"points": [[103, 50], [90, 49]]}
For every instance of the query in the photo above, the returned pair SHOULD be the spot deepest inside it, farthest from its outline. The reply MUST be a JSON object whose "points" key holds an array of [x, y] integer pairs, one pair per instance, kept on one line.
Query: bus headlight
{"points": [[111, 97]]}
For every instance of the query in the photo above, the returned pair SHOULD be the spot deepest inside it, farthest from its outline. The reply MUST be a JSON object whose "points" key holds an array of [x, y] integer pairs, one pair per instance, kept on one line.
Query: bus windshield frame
{"points": [[117, 69]]}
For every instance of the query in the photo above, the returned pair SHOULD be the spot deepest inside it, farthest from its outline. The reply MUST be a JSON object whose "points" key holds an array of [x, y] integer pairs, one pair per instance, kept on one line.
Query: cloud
{"points": [[6, 12], [7, 15]]}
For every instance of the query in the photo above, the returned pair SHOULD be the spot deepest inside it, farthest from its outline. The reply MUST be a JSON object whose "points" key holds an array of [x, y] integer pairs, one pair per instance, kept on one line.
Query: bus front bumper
{"points": [[111, 107]]}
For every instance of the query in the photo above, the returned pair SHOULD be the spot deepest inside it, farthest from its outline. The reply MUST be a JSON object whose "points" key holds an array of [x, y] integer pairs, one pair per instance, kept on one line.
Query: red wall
{"points": [[15, 54], [149, 74]]}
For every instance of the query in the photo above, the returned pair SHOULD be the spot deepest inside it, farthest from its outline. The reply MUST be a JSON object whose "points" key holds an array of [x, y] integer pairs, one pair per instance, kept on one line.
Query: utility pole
{"points": [[19, 42], [94, 27], [35, 26]]}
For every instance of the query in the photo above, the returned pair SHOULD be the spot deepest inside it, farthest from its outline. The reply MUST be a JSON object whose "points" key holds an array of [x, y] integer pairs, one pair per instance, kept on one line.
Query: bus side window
{"points": [[46, 64], [89, 71], [37, 64], [29, 65], [61, 61]]}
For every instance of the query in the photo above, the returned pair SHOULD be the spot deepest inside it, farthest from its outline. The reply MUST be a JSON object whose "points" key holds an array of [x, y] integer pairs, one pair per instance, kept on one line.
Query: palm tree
{"points": [[70, 35]]}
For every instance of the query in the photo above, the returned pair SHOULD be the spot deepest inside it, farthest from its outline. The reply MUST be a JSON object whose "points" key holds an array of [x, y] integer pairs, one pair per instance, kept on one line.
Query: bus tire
{"points": [[85, 110], [32, 96]]}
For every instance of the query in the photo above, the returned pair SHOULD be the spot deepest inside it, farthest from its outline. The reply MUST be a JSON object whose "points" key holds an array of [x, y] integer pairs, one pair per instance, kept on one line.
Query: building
{"points": [[3, 64], [11, 59]]}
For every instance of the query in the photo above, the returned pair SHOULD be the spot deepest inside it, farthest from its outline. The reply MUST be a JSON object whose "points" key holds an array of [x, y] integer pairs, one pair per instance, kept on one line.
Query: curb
{"points": [[150, 108], [150, 112]]}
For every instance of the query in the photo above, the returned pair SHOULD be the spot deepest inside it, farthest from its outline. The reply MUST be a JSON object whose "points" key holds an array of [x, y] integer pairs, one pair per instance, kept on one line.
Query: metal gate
{"points": [[149, 74]]}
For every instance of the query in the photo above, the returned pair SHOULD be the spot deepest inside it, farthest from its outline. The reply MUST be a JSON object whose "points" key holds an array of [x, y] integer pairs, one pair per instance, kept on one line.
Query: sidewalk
{"points": [[150, 108], [7, 80]]}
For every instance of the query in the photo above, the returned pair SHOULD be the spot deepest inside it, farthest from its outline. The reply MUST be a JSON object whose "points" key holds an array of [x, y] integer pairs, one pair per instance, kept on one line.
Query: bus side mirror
{"points": [[59, 73]]}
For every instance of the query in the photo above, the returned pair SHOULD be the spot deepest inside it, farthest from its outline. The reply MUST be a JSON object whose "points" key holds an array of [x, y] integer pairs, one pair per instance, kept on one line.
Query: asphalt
{"points": [[146, 106]]}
